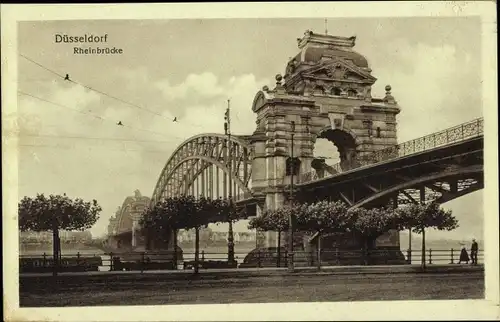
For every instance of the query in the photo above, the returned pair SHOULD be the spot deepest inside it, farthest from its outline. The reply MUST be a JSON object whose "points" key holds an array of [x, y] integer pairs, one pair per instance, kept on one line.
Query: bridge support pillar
{"points": [[274, 201], [322, 97], [389, 240]]}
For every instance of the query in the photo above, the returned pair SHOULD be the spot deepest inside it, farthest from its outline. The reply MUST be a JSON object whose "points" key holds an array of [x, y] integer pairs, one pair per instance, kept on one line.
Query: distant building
{"points": [[46, 236], [216, 236], [35, 236]]}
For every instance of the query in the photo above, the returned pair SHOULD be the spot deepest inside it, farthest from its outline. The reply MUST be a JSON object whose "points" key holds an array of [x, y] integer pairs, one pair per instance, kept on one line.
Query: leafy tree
{"points": [[324, 217], [369, 224], [186, 212], [225, 211], [321, 217], [158, 221], [273, 220], [203, 210], [166, 217], [56, 212], [418, 217]]}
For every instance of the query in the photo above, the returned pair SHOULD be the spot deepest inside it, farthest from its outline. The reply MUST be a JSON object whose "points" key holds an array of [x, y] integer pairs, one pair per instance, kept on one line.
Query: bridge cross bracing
{"points": [[202, 165], [450, 167], [442, 138], [199, 166]]}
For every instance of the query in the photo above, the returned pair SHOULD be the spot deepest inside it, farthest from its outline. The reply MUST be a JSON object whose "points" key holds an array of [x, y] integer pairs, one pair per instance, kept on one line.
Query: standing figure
{"points": [[473, 252], [464, 257]]}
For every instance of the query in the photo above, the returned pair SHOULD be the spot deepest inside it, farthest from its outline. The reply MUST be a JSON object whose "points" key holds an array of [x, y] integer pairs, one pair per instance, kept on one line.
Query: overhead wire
{"points": [[90, 114], [98, 91], [92, 147], [38, 135], [40, 65]]}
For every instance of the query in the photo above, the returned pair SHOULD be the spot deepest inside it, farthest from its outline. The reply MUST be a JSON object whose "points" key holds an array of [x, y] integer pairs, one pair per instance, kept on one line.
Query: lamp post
{"points": [[290, 219], [230, 237]]}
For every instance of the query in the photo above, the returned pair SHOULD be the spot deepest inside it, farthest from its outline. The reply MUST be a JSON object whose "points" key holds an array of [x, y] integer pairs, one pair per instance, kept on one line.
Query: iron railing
{"points": [[451, 135], [440, 256], [259, 258]]}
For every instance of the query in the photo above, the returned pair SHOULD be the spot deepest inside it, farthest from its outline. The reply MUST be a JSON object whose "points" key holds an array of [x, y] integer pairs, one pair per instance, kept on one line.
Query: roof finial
{"points": [[326, 26]]}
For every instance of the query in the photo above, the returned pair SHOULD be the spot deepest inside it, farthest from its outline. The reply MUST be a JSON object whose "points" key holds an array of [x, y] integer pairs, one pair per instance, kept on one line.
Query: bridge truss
{"points": [[441, 167], [435, 140], [203, 165], [440, 174]]}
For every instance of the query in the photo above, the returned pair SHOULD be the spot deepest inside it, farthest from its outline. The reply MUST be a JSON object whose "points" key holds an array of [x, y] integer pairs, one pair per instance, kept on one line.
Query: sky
{"points": [[189, 68]]}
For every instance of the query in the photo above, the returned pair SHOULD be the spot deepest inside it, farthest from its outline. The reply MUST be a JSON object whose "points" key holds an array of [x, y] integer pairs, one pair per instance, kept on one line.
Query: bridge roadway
{"points": [[450, 172], [440, 173]]}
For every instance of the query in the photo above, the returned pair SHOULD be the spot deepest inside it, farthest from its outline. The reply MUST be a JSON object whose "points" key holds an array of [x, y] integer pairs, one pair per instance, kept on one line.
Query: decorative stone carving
{"points": [[278, 78], [318, 89], [300, 87], [388, 97], [291, 67], [336, 71], [336, 121]]}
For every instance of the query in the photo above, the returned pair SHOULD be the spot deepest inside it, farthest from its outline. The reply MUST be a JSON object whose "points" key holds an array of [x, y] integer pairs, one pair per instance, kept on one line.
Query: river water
{"points": [[208, 253]]}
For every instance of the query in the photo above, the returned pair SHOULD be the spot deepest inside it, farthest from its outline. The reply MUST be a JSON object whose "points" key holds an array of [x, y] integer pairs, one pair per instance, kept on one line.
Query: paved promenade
{"points": [[251, 286], [352, 269]]}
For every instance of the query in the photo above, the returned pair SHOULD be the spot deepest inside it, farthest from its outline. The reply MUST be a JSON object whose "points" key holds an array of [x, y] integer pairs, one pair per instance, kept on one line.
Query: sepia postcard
{"points": [[250, 161]]}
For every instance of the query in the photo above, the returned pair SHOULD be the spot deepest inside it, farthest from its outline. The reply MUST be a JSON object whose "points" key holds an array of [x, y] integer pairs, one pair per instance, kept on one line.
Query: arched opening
{"points": [[336, 91], [351, 93], [328, 160], [319, 90]]}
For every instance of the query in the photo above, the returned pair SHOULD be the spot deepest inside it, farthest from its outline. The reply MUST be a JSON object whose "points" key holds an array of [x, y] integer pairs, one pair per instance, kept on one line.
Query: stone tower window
{"points": [[378, 132], [351, 93], [336, 91]]}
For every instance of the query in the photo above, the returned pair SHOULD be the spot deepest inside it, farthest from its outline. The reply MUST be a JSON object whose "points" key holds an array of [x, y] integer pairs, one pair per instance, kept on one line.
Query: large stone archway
{"points": [[345, 144], [326, 94]]}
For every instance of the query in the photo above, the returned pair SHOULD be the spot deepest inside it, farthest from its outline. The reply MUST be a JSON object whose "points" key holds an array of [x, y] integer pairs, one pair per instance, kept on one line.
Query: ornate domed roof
{"points": [[328, 65], [317, 54], [317, 47]]}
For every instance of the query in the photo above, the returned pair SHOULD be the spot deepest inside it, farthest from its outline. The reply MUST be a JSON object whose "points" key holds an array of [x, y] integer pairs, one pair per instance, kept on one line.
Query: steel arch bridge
{"points": [[208, 164], [438, 167], [441, 166]]}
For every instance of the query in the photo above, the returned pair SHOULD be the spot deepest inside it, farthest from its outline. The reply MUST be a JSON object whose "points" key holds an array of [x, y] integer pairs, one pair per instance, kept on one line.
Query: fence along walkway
{"points": [[442, 138], [262, 259]]}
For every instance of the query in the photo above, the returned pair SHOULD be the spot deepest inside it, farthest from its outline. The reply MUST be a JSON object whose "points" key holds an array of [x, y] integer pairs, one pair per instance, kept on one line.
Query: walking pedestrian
{"points": [[473, 252], [464, 257]]}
